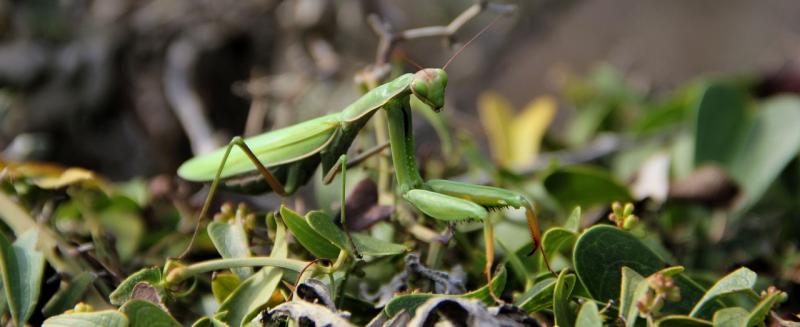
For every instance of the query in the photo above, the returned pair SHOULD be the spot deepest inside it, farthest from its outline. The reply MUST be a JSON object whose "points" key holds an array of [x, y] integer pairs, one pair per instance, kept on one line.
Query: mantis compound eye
{"points": [[429, 85]]}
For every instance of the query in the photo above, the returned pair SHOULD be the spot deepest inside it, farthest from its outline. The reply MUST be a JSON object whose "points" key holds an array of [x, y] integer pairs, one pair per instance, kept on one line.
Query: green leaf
{"points": [[410, 302], [720, 123], [730, 317], [557, 238], [143, 313], [105, 318], [3, 303], [67, 297], [230, 239], [523, 275], [253, 294], [223, 284], [323, 224], [310, 239], [498, 284], [772, 142], [215, 321], [601, 252], [761, 309], [632, 289], [573, 222], [127, 228], [588, 316], [740, 280], [682, 321], [561, 311], [538, 297], [586, 123], [371, 246], [585, 186], [124, 291], [22, 268]]}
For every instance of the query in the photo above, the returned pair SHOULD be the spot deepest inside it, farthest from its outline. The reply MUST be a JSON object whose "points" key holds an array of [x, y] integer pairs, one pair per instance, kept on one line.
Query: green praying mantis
{"points": [[283, 160]]}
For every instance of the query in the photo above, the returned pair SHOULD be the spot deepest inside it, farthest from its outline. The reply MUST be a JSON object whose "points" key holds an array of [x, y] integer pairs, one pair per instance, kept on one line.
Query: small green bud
{"points": [[616, 208], [81, 307], [628, 210], [630, 222]]}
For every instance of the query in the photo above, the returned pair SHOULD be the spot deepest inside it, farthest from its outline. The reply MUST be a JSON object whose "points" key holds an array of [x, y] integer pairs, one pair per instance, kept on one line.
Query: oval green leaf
{"points": [[223, 284], [323, 224], [720, 123], [538, 297], [310, 239], [253, 294], [588, 316], [632, 289], [230, 239], [368, 245], [123, 292], [22, 268], [730, 317], [106, 318], [740, 280], [771, 143], [143, 313], [563, 313], [602, 251]]}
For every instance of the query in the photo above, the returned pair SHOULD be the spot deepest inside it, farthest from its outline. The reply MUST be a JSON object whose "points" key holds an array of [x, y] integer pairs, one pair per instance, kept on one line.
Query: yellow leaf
{"points": [[52, 176], [528, 129], [495, 114]]}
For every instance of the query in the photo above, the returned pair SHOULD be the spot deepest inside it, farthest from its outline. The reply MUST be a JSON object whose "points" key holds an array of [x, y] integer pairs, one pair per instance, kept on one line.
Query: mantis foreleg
{"points": [[493, 197]]}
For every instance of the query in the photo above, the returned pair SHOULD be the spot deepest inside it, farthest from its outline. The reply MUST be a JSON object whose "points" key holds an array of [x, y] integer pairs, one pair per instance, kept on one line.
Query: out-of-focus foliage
{"points": [[668, 207]]}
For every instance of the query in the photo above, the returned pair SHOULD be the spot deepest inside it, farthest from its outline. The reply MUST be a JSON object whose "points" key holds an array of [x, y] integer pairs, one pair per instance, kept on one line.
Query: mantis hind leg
{"points": [[273, 182]]}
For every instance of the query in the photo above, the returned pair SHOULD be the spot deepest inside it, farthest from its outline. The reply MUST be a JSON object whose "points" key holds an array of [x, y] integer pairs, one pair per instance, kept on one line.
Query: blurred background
{"points": [[686, 108]]}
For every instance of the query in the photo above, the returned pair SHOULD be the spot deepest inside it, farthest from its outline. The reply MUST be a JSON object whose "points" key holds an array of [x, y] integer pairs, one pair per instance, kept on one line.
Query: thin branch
{"points": [[389, 39], [183, 99]]}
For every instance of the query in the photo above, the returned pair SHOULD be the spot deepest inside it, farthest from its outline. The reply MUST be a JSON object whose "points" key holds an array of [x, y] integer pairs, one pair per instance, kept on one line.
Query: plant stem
{"points": [[180, 274]]}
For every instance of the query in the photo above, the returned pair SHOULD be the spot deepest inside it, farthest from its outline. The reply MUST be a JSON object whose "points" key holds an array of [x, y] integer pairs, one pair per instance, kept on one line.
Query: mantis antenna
{"points": [[458, 52], [402, 54]]}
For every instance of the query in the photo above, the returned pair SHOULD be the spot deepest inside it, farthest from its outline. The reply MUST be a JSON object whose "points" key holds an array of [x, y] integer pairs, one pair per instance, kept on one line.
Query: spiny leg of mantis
{"points": [[452, 208], [493, 197], [452, 201]]}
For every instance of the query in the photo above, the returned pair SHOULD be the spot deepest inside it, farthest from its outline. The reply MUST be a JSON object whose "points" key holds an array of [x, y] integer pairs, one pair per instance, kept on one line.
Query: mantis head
{"points": [[428, 85]]}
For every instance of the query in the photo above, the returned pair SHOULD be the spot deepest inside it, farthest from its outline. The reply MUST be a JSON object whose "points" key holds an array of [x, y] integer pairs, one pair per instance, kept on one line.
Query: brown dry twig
{"points": [[389, 39]]}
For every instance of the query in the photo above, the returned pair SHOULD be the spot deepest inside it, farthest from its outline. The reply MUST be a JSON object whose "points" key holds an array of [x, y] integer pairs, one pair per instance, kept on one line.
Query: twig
{"points": [[184, 101], [389, 39]]}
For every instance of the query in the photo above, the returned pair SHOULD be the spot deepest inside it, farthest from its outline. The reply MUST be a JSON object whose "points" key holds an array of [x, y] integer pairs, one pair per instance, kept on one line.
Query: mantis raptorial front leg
{"points": [[446, 200]]}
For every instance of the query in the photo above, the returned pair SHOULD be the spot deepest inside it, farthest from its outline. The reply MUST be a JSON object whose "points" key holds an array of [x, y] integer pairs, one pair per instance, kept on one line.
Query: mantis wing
{"points": [[274, 148]]}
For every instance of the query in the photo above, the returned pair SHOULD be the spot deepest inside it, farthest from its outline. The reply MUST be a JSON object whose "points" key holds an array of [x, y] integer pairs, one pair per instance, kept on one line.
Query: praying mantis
{"points": [[283, 160]]}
